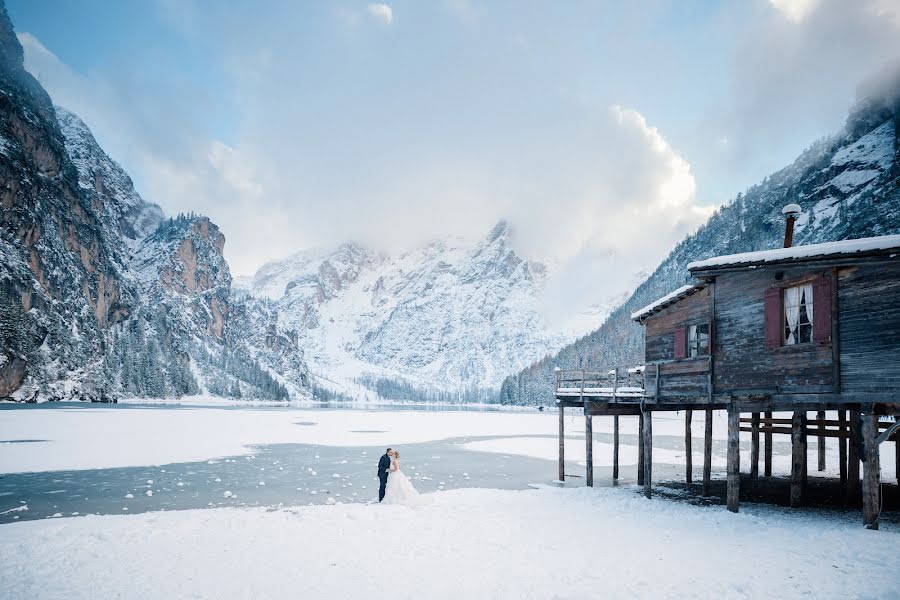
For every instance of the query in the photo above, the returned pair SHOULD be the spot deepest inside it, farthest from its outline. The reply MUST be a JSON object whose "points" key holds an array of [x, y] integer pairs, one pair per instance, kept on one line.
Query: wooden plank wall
{"points": [[743, 364], [685, 377], [869, 323], [660, 330]]}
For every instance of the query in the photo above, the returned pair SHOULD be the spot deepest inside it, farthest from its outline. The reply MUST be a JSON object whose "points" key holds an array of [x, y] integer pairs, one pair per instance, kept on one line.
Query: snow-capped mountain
{"points": [[848, 186], [446, 315], [100, 295]]}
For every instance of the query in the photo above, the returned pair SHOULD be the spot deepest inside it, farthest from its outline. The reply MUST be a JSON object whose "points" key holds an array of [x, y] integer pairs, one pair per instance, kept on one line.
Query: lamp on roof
{"points": [[791, 212]]}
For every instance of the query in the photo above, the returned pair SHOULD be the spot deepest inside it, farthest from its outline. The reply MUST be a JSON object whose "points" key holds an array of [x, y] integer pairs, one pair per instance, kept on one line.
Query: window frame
{"points": [[697, 346], [802, 312]]}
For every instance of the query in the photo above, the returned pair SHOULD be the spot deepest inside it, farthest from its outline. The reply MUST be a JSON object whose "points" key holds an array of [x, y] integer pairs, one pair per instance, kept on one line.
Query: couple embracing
{"points": [[394, 486]]}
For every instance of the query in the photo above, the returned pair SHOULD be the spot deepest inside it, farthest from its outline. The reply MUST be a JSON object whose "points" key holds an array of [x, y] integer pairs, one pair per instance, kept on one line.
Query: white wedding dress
{"points": [[400, 490]]}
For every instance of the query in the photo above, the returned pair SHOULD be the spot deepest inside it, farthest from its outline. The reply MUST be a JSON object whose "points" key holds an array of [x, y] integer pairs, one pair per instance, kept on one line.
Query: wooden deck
{"points": [[636, 391]]}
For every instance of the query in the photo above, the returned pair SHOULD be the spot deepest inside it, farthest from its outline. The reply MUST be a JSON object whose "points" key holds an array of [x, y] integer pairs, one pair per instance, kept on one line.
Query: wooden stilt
{"points": [[615, 448], [707, 451], [589, 449], [688, 457], [842, 447], [853, 486], [647, 437], [821, 417], [640, 470], [562, 442], [804, 441], [754, 446], [768, 449], [734, 459], [798, 457], [897, 460], [871, 489]]}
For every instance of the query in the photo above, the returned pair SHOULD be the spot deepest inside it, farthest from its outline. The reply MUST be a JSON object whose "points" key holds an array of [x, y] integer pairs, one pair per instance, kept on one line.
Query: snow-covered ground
{"points": [[544, 543]]}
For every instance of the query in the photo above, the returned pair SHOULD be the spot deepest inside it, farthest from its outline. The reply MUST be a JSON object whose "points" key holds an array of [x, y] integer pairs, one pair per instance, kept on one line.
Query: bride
{"points": [[399, 489]]}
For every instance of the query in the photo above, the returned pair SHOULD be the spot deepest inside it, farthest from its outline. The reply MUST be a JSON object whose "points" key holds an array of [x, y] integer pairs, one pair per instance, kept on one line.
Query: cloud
{"points": [[381, 12], [790, 76], [637, 198], [795, 10], [602, 144]]}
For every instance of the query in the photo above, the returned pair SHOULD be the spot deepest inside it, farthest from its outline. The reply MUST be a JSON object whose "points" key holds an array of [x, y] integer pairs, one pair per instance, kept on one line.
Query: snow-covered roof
{"points": [[845, 247], [666, 300]]}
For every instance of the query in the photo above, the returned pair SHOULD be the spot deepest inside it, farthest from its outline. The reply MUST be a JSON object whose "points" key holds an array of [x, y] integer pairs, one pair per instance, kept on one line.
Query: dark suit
{"points": [[384, 463]]}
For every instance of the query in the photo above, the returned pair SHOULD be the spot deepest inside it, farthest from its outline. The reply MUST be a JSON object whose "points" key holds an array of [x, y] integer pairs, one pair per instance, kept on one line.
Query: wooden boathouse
{"points": [[804, 330]]}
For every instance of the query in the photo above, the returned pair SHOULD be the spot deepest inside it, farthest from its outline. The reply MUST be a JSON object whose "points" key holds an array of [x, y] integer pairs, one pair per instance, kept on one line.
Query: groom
{"points": [[384, 463]]}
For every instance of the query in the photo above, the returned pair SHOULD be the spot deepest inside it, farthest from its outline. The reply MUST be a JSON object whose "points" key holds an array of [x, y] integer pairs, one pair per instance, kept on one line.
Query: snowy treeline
{"points": [[399, 389]]}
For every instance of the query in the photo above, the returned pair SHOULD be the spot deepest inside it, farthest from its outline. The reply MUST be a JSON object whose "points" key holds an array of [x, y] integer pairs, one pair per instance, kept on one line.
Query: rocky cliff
{"points": [[100, 295], [61, 278]]}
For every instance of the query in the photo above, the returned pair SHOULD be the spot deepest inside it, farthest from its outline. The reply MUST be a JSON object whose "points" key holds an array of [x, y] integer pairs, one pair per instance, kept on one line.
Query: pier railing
{"points": [[618, 382]]}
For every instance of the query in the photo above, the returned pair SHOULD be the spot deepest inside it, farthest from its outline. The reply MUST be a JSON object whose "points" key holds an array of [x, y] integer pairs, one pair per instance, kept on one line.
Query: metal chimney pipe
{"points": [[791, 212]]}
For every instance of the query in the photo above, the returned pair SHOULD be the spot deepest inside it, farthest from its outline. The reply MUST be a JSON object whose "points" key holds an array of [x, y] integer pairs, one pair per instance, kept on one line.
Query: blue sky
{"points": [[295, 124]]}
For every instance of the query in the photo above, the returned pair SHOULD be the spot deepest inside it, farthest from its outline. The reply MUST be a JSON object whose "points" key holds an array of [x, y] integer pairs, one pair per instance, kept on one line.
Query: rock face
{"points": [[181, 266], [848, 186], [61, 279], [448, 318], [100, 295], [125, 215]]}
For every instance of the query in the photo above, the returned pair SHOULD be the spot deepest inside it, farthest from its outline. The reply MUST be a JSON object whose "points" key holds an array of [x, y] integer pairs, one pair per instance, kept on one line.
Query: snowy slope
{"points": [[445, 315], [848, 186]]}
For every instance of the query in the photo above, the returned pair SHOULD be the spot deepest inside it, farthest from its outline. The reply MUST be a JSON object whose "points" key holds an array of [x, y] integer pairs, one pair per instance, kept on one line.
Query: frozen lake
{"points": [[78, 459], [39, 439]]}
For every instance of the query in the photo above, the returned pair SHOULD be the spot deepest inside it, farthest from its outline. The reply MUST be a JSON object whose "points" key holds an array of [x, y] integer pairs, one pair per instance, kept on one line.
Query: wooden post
{"points": [[754, 446], [734, 459], [804, 440], [842, 447], [562, 441], [897, 458], [615, 448], [798, 457], [871, 491], [589, 449], [707, 451], [768, 446], [688, 458], [640, 473], [853, 487], [647, 437], [821, 417]]}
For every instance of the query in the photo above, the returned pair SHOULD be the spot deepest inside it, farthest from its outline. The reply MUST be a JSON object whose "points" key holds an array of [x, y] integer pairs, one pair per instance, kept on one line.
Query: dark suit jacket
{"points": [[384, 464]]}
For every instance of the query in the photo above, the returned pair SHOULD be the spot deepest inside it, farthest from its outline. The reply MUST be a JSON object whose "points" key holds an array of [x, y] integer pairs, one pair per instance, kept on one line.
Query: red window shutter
{"points": [[680, 343], [774, 316], [822, 310]]}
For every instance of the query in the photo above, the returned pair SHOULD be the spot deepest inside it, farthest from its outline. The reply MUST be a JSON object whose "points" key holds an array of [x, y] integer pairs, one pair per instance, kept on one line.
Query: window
{"points": [[798, 315], [698, 340]]}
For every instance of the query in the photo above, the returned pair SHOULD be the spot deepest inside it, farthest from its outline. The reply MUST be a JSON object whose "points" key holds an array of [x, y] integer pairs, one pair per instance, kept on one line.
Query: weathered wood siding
{"points": [[743, 364], [683, 377], [869, 323]]}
